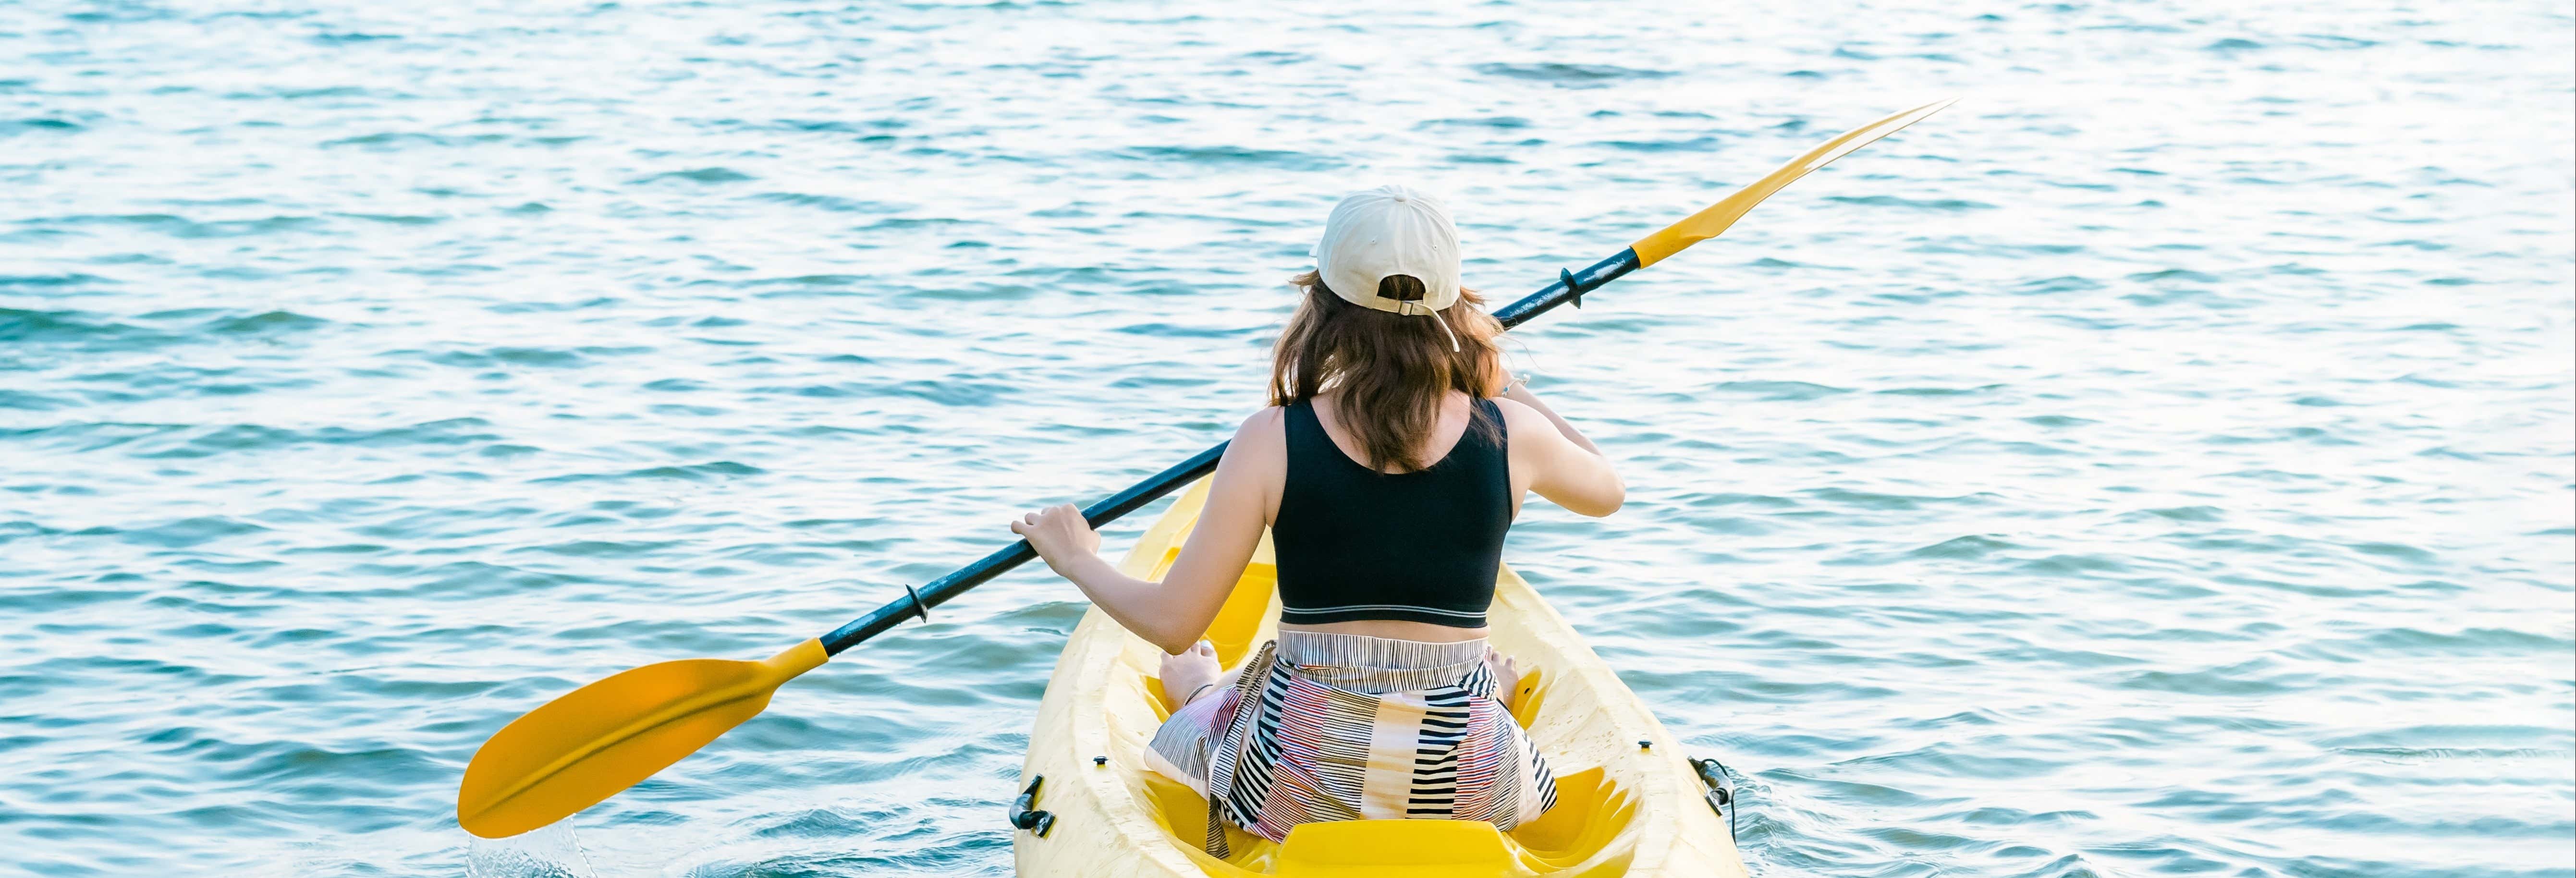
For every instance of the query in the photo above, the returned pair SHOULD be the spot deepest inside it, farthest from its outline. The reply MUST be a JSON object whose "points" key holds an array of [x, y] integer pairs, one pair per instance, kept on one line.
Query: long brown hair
{"points": [[1392, 370]]}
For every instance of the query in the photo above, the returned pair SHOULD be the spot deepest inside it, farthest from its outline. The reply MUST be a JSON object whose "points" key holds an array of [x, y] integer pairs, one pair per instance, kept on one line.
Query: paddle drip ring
{"points": [[1574, 293], [918, 608]]}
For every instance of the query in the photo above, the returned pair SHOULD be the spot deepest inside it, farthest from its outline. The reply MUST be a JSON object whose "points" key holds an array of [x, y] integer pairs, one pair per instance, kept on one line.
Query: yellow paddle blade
{"points": [[599, 739], [1718, 217]]}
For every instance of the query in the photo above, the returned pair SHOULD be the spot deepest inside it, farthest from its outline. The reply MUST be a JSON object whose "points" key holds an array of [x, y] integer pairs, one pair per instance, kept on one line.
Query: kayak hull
{"points": [[1623, 809]]}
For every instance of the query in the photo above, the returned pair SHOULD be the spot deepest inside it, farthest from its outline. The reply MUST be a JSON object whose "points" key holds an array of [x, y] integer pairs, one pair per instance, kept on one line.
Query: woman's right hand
{"points": [[1059, 534]]}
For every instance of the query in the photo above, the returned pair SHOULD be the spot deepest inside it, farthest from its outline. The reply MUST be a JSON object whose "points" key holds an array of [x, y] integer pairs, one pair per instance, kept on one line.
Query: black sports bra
{"points": [[1353, 543]]}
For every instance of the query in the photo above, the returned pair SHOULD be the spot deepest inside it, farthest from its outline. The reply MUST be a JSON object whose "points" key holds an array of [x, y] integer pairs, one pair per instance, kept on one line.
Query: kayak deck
{"points": [[1622, 809]]}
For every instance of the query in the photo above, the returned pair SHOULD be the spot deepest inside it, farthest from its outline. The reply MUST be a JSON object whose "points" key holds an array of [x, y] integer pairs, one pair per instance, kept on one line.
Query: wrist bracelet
{"points": [[1194, 693]]}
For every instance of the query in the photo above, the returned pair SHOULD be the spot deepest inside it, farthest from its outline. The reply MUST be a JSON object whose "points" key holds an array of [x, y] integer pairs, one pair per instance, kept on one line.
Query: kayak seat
{"points": [[1390, 848], [1591, 815]]}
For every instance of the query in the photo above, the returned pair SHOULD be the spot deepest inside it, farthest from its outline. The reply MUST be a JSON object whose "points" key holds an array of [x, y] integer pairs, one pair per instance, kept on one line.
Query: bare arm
{"points": [[1520, 393], [1564, 467], [1174, 613]]}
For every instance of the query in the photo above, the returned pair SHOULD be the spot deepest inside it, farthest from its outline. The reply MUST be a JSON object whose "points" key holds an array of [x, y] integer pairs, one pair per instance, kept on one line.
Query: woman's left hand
{"points": [[1059, 533]]}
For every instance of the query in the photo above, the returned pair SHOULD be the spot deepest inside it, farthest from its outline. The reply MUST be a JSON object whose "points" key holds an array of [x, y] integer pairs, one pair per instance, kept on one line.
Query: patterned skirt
{"points": [[1344, 727]]}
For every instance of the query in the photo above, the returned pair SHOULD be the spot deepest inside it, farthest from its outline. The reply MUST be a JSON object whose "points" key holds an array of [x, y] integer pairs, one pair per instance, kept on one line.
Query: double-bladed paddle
{"points": [[596, 741]]}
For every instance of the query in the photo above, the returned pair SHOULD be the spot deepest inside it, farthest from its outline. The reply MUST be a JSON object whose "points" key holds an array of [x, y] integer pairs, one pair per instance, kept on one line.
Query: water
{"points": [[2159, 463]]}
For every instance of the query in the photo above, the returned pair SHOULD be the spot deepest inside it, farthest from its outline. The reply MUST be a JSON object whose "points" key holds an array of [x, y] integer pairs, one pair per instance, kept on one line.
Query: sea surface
{"points": [[2159, 463]]}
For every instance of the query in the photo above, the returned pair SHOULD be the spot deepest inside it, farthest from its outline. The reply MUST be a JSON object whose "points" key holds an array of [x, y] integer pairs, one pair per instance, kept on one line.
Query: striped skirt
{"points": [[1344, 727]]}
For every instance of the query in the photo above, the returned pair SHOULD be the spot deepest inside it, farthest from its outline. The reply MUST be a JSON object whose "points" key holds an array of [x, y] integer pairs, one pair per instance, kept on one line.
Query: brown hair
{"points": [[1392, 370]]}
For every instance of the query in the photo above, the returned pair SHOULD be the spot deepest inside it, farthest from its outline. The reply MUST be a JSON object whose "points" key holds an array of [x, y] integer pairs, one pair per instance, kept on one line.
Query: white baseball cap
{"points": [[1390, 230]]}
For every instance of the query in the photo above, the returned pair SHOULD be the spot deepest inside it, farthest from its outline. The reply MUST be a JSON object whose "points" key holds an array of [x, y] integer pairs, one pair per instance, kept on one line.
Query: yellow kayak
{"points": [[1629, 802]]}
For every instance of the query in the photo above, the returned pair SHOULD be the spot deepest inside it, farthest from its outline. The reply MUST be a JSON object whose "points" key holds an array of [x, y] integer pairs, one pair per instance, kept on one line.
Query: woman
{"points": [[1393, 457]]}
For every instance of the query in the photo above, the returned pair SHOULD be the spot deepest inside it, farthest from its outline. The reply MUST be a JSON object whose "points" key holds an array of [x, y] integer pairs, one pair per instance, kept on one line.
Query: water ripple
{"points": [[2158, 463]]}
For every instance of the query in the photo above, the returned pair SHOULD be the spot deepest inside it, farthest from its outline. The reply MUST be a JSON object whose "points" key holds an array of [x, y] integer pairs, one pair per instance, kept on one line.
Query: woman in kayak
{"points": [[1393, 457]]}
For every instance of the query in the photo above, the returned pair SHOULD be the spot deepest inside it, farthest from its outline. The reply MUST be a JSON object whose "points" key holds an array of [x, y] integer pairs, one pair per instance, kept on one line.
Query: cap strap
{"points": [[1444, 330]]}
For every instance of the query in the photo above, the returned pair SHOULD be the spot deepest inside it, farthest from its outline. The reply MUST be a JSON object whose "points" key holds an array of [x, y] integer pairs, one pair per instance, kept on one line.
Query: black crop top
{"points": [[1353, 543]]}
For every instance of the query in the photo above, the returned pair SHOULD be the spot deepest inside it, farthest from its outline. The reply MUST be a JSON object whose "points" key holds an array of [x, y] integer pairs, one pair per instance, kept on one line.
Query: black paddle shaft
{"points": [[1569, 287]]}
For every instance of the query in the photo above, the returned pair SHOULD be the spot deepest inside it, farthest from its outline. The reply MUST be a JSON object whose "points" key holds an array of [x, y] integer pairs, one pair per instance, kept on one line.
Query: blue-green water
{"points": [[2159, 463]]}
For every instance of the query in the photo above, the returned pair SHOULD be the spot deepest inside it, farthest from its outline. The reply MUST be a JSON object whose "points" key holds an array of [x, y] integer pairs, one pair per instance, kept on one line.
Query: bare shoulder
{"points": [[1255, 468], [1519, 418], [1265, 422], [1263, 433]]}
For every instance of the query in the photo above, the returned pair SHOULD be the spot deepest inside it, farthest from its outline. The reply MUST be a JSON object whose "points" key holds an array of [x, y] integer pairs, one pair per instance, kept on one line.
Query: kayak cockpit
{"points": [[1591, 810], [1627, 802]]}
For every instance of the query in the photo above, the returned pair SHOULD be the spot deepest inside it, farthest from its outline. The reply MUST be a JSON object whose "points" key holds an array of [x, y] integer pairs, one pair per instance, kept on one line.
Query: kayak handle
{"points": [[1721, 790], [1024, 813]]}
